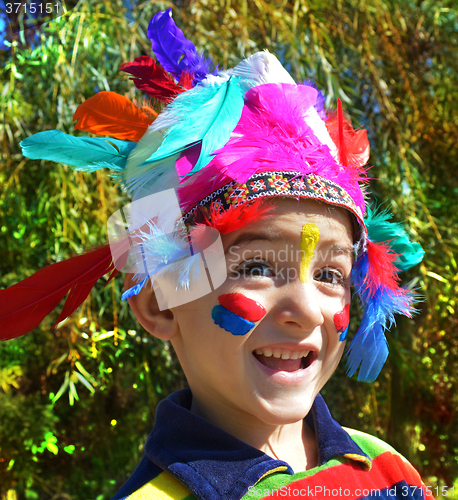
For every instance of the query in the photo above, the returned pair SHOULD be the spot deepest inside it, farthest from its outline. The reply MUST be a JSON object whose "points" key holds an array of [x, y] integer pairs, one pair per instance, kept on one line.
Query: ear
{"points": [[161, 324]]}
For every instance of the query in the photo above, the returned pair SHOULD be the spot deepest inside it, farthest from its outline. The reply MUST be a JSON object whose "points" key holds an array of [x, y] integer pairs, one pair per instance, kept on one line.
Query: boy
{"points": [[259, 343], [240, 431]]}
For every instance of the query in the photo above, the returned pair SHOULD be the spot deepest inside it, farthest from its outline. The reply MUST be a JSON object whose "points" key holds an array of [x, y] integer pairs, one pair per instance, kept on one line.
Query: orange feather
{"points": [[108, 113]]}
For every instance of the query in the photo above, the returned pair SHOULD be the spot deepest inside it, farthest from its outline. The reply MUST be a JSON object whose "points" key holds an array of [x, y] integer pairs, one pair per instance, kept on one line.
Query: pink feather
{"points": [[198, 186], [188, 160], [272, 131]]}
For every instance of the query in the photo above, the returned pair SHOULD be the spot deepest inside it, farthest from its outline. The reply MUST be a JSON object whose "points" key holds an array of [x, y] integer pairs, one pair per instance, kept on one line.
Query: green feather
{"points": [[82, 153], [380, 230], [206, 114]]}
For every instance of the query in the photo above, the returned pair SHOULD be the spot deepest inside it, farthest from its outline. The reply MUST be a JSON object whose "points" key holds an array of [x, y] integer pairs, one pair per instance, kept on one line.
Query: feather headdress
{"points": [[224, 143]]}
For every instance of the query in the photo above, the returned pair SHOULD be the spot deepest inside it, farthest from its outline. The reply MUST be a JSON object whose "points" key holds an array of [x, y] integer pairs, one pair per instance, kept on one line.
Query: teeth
{"points": [[282, 353]]}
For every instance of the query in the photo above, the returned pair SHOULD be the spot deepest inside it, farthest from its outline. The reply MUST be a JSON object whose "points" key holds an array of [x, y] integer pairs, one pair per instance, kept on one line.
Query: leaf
{"points": [[436, 276], [52, 448], [56, 362], [63, 388], [72, 394], [83, 371], [102, 336], [85, 382]]}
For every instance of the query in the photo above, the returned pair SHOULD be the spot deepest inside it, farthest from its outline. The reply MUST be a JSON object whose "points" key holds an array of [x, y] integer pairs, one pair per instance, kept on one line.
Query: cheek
{"points": [[237, 313], [341, 322]]}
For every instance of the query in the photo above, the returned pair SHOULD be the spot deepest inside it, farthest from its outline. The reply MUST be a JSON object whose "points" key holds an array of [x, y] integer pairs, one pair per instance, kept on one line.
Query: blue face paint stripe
{"points": [[343, 335], [231, 322]]}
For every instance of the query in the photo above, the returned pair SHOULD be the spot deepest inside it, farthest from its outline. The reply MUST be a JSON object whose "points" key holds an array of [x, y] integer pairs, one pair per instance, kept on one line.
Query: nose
{"points": [[299, 308]]}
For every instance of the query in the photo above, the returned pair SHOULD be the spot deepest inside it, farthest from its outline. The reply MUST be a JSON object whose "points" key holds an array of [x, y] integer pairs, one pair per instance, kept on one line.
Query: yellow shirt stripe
{"points": [[162, 487], [280, 468]]}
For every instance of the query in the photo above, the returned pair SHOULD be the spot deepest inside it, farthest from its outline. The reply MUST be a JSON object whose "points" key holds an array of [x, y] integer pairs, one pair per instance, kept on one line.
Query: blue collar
{"points": [[215, 465]]}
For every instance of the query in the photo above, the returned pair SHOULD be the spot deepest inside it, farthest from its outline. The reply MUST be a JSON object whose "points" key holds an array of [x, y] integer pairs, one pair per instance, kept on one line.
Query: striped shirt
{"points": [[187, 458]]}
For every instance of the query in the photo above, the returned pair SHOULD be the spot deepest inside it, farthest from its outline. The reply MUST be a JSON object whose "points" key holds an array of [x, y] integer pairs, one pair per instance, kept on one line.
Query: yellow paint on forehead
{"points": [[309, 240]]}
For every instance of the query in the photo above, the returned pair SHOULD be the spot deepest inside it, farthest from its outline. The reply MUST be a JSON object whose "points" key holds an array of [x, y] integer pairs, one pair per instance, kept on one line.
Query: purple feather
{"points": [[320, 100], [175, 53]]}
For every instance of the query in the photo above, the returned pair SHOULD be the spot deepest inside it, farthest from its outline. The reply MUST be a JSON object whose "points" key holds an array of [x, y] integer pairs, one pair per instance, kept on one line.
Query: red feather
{"points": [[152, 79], [353, 145], [23, 306], [382, 270], [236, 217], [340, 121], [186, 80]]}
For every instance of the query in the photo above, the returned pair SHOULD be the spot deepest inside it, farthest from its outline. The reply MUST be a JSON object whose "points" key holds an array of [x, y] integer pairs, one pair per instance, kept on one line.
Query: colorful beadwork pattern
{"points": [[291, 184], [236, 194]]}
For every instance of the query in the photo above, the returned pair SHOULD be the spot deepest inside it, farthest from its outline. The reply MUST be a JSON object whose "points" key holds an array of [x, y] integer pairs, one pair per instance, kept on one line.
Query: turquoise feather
{"points": [[206, 114], [83, 153], [380, 229]]}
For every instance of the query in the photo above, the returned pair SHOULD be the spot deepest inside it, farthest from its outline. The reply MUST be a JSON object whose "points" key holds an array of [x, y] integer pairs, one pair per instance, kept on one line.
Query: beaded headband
{"points": [[266, 185]]}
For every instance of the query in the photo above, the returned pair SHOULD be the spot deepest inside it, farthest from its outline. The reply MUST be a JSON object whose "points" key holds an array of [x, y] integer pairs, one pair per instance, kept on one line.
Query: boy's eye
{"points": [[330, 276], [255, 268]]}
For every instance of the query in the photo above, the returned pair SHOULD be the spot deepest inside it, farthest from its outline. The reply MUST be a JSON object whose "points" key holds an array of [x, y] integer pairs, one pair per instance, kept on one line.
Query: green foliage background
{"points": [[76, 404]]}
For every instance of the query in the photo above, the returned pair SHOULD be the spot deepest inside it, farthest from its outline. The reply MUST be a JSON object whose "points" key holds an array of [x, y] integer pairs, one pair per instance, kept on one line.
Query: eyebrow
{"points": [[246, 238], [335, 250], [346, 250]]}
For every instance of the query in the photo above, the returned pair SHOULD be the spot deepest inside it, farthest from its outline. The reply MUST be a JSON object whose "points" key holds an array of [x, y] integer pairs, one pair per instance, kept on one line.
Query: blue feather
{"points": [[175, 53], [368, 350], [83, 153], [380, 229], [203, 114], [135, 290]]}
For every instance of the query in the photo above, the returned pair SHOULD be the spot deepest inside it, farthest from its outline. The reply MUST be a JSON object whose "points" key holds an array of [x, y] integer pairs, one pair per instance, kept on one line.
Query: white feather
{"points": [[155, 179], [150, 178], [313, 120], [219, 79], [262, 67], [149, 142]]}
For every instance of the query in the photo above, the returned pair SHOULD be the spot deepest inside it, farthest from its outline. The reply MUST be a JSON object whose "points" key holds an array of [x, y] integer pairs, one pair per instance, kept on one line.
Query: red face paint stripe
{"points": [[342, 318], [244, 307]]}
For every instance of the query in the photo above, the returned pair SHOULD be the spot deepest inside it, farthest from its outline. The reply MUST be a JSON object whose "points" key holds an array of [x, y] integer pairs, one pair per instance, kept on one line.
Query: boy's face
{"points": [[296, 265]]}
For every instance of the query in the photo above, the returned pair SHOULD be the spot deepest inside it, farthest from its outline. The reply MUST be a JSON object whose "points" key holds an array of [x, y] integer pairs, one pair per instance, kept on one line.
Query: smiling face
{"points": [[272, 373]]}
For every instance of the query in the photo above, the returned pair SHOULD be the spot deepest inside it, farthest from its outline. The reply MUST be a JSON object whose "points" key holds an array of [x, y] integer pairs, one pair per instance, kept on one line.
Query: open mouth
{"points": [[283, 360]]}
